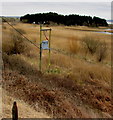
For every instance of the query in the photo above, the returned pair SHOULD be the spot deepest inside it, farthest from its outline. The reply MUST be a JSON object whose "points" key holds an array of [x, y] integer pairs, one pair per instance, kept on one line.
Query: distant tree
{"points": [[99, 22], [68, 20]]}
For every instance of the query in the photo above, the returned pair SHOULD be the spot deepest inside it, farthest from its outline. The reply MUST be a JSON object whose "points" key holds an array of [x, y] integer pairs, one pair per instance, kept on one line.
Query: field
{"points": [[78, 83]]}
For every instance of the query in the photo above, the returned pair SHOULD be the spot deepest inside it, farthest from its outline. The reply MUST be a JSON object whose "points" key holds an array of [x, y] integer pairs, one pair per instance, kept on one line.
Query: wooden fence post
{"points": [[14, 111]]}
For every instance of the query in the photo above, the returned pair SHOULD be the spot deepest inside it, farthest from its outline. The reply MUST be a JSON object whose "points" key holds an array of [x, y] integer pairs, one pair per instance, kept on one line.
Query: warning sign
{"points": [[45, 45]]}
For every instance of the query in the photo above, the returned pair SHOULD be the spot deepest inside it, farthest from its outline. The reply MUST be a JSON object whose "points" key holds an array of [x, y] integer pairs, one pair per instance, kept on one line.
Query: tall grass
{"points": [[21, 31], [7, 43], [97, 47], [16, 44], [78, 79], [91, 44], [102, 52], [4, 27], [74, 45]]}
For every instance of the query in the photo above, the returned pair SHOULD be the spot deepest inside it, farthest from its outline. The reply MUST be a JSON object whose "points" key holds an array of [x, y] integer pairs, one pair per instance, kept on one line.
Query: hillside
{"points": [[25, 110], [78, 85]]}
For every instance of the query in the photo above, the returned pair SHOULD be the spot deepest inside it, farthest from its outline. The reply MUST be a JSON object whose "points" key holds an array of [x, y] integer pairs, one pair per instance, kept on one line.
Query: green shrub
{"points": [[54, 71]]}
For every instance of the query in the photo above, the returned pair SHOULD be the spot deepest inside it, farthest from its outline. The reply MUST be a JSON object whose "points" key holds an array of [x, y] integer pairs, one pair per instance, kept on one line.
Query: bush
{"points": [[91, 44], [13, 43], [7, 43], [3, 27], [101, 52], [20, 46]]}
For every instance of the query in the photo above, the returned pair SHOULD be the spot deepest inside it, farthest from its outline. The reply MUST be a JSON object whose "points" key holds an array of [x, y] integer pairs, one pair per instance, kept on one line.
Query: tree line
{"points": [[68, 20]]}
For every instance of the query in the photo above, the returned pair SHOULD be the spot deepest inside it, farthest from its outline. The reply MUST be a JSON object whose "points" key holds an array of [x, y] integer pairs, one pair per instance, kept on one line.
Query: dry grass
{"points": [[54, 102], [91, 44], [29, 111], [14, 43], [102, 52], [77, 82], [44, 97], [74, 44], [21, 31]]}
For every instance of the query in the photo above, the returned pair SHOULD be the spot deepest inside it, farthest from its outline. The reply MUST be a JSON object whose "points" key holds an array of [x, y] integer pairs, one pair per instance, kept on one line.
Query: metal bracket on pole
{"points": [[44, 29]]}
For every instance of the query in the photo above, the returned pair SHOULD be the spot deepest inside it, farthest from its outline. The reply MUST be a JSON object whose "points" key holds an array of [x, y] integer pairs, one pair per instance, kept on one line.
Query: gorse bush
{"points": [[91, 44], [95, 47], [16, 45], [19, 44]]}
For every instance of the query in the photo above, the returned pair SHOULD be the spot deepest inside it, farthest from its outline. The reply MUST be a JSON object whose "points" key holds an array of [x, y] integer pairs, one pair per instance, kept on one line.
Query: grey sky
{"points": [[100, 9], [56, 0]]}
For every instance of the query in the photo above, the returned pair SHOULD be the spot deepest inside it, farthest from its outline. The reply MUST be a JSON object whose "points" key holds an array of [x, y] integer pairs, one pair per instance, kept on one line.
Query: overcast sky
{"points": [[99, 9], [56, 0]]}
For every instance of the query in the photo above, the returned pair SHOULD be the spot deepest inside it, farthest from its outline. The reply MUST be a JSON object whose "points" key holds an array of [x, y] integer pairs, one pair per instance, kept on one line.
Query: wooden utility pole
{"points": [[49, 48], [40, 60]]}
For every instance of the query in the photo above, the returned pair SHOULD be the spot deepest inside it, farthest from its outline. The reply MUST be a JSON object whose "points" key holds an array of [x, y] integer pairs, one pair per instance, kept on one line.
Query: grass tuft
{"points": [[102, 52], [74, 44]]}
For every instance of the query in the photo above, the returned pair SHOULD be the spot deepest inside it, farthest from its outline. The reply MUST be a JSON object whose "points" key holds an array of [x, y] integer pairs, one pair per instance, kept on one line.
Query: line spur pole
{"points": [[45, 45], [40, 59]]}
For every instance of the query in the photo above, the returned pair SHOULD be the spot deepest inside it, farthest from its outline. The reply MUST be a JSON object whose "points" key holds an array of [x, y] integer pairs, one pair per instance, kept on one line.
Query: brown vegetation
{"points": [[75, 87]]}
